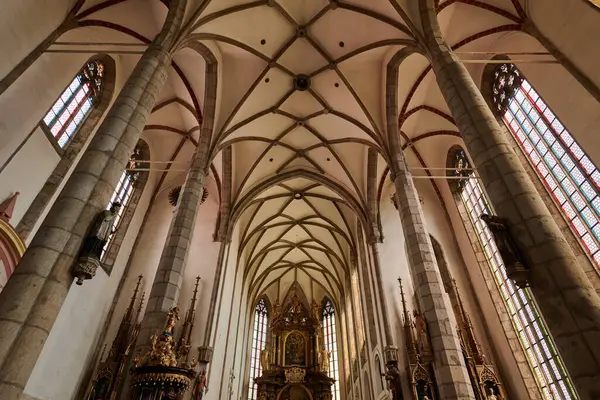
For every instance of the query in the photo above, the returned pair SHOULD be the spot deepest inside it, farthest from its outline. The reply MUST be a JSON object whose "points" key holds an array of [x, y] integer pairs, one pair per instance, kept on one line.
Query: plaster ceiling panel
{"points": [[302, 58], [251, 27], [354, 158], [296, 234], [339, 98], [264, 167], [298, 184], [262, 98], [162, 143], [333, 168], [303, 11], [99, 34], [472, 21], [353, 29], [238, 75], [193, 74], [267, 212], [335, 127], [145, 22], [298, 210], [243, 164], [219, 6], [299, 163], [408, 73], [296, 256], [382, 7], [301, 104], [424, 122], [427, 93], [286, 282], [269, 126], [273, 191], [322, 191], [301, 138], [366, 79]]}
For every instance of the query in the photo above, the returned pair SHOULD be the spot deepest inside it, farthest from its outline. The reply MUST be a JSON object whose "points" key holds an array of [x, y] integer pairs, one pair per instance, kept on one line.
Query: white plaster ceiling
{"points": [[288, 142]]}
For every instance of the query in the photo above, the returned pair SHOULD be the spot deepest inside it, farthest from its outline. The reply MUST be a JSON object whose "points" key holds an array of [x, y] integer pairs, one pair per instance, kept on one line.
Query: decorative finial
{"points": [[406, 315]]}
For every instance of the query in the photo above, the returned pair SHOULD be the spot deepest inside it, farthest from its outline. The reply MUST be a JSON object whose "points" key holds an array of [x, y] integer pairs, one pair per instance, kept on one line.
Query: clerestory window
{"points": [[542, 355], [568, 173], [74, 104]]}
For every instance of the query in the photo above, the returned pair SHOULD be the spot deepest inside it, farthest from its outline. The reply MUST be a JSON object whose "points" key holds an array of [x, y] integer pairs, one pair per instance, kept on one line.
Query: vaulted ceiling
{"points": [[301, 99]]}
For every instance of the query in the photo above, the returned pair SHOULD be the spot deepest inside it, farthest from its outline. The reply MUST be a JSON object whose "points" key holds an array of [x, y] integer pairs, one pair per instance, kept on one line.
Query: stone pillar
{"points": [[568, 302], [450, 370], [169, 276], [32, 299]]}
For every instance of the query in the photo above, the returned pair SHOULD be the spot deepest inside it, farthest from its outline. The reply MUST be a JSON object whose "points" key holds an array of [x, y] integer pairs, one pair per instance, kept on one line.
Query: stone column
{"points": [[568, 302], [31, 301], [169, 276], [450, 370]]}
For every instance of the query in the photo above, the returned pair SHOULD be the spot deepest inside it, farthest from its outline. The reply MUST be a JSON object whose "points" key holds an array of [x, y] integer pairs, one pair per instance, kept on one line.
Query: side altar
{"points": [[295, 363]]}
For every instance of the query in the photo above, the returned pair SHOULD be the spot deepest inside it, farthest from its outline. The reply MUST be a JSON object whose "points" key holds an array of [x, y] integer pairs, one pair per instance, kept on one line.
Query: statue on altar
{"points": [[324, 357], [200, 386], [265, 356]]}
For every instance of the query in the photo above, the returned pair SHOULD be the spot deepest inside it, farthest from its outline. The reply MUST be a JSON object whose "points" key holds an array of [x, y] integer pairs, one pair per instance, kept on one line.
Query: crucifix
{"points": [[231, 378]]}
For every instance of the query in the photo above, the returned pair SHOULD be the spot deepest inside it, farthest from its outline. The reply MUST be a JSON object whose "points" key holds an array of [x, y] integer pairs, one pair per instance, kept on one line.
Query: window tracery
{"points": [[533, 334], [567, 172], [123, 192], [75, 103], [329, 333], [259, 338]]}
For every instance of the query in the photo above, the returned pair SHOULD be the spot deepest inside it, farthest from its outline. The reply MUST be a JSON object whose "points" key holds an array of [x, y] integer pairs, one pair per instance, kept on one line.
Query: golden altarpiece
{"points": [[484, 379], [295, 363], [163, 372]]}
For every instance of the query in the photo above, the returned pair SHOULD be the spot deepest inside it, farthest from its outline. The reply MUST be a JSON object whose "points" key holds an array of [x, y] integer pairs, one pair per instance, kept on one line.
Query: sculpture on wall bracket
{"points": [[516, 268], [90, 254]]}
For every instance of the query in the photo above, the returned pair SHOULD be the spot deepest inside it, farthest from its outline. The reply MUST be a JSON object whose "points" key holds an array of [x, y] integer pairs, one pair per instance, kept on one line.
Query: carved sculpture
{"points": [[200, 387], [94, 243], [392, 376], [265, 356], [513, 261]]}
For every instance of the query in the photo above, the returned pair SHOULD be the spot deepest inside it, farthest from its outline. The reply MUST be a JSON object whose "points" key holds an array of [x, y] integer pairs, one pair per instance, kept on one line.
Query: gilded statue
{"points": [[314, 309], [324, 357], [173, 317], [100, 232], [277, 310], [265, 359], [296, 307]]}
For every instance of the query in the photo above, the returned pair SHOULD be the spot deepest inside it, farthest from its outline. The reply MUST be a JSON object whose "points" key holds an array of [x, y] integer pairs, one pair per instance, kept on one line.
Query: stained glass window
{"points": [[122, 193], [568, 173], [329, 333], [259, 339], [75, 103], [541, 352]]}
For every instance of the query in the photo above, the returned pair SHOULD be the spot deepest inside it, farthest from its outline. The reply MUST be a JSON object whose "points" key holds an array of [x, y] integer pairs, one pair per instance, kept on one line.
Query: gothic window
{"points": [[567, 172], [541, 352], [259, 339], [329, 333], [75, 103], [123, 193]]}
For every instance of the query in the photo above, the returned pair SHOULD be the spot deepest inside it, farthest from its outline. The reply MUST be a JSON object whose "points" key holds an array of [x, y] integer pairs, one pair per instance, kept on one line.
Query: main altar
{"points": [[295, 363]]}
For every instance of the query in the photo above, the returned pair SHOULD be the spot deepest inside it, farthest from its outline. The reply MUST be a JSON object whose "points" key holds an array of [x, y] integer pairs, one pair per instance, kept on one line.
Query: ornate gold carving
{"points": [[295, 375]]}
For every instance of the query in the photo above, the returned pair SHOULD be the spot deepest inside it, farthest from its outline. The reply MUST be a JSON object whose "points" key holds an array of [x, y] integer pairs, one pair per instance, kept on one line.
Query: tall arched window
{"points": [[329, 334], [542, 355], [259, 339], [567, 172], [75, 103], [124, 191]]}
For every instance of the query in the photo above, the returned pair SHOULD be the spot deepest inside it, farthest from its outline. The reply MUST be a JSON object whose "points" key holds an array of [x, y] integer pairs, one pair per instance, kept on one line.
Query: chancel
{"points": [[299, 200]]}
